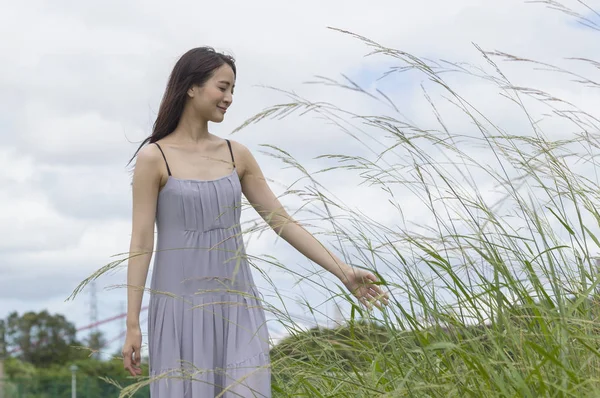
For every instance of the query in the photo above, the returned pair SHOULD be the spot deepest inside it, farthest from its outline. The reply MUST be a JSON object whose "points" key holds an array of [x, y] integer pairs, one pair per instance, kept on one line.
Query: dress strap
{"points": [[163, 155], [230, 151]]}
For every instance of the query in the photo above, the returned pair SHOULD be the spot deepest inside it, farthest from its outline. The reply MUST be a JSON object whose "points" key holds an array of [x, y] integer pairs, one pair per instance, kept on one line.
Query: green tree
{"points": [[2, 339], [42, 339]]}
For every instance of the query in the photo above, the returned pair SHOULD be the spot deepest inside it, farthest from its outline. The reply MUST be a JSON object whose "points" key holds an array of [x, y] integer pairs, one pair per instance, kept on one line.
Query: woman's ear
{"points": [[191, 91]]}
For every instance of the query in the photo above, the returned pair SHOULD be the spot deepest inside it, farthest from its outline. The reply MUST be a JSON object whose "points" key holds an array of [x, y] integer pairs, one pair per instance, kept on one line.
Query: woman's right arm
{"points": [[145, 187]]}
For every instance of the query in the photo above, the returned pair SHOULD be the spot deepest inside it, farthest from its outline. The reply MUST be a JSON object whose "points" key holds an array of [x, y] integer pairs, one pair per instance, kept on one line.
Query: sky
{"points": [[80, 84]]}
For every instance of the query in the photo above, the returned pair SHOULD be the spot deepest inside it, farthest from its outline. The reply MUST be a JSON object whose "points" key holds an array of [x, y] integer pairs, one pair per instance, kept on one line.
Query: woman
{"points": [[206, 329]]}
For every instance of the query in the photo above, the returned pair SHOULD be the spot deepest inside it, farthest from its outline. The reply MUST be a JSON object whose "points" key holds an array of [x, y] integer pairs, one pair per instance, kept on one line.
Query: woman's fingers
{"points": [[365, 302], [371, 298], [127, 362], [377, 291], [368, 292], [375, 288], [138, 356], [378, 294], [132, 360]]}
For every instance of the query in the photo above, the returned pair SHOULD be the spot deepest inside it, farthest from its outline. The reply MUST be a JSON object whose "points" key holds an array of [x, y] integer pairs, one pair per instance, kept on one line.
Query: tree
{"points": [[42, 339], [2, 339]]}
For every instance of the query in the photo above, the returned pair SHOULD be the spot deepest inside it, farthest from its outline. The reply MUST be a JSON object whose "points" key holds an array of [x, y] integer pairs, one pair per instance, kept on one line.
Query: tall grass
{"points": [[495, 294]]}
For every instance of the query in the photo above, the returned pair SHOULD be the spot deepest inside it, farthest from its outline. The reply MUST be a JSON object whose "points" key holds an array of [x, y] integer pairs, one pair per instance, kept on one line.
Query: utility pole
{"points": [[73, 369], [93, 307], [93, 335]]}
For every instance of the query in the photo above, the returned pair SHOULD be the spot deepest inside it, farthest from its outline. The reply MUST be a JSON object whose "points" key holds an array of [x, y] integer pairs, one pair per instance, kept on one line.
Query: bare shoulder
{"points": [[239, 148], [149, 154], [148, 161], [245, 162]]}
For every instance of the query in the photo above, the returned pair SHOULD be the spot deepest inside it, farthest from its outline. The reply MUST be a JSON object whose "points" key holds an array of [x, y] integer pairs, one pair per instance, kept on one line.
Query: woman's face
{"points": [[211, 101]]}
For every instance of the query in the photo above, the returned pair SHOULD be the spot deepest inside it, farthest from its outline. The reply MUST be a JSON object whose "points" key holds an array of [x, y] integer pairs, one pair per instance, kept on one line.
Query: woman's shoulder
{"points": [[238, 148], [149, 154], [244, 160]]}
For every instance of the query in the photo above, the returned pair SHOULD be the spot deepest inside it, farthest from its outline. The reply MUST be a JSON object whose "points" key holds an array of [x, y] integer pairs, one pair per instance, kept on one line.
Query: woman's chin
{"points": [[217, 119]]}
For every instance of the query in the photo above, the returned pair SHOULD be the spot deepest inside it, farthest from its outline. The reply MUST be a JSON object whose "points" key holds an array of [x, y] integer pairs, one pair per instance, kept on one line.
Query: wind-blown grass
{"points": [[495, 292]]}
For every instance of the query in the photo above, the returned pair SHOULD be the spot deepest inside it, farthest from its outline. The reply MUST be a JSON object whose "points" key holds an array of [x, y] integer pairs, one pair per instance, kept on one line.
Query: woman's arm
{"points": [[258, 193], [145, 187]]}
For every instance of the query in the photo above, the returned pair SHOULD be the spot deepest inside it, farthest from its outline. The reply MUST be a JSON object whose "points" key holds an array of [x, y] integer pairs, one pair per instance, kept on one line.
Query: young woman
{"points": [[206, 328]]}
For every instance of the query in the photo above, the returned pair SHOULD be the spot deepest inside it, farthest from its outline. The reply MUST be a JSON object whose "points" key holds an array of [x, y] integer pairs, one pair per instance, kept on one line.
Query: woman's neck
{"points": [[191, 130]]}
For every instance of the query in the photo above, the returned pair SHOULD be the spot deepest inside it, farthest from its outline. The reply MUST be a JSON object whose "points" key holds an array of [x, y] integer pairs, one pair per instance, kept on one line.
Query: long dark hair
{"points": [[194, 68]]}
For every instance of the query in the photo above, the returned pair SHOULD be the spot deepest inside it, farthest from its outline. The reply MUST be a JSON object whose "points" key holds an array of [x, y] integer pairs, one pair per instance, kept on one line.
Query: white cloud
{"points": [[85, 138]]}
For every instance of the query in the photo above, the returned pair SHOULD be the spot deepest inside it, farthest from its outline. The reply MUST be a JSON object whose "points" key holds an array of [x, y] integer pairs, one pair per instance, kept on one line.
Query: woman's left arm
{"points": [[259, 194]]}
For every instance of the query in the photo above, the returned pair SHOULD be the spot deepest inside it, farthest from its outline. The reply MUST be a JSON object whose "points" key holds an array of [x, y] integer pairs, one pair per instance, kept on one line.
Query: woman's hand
{"points": [[132, 357], [360, 283]]}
